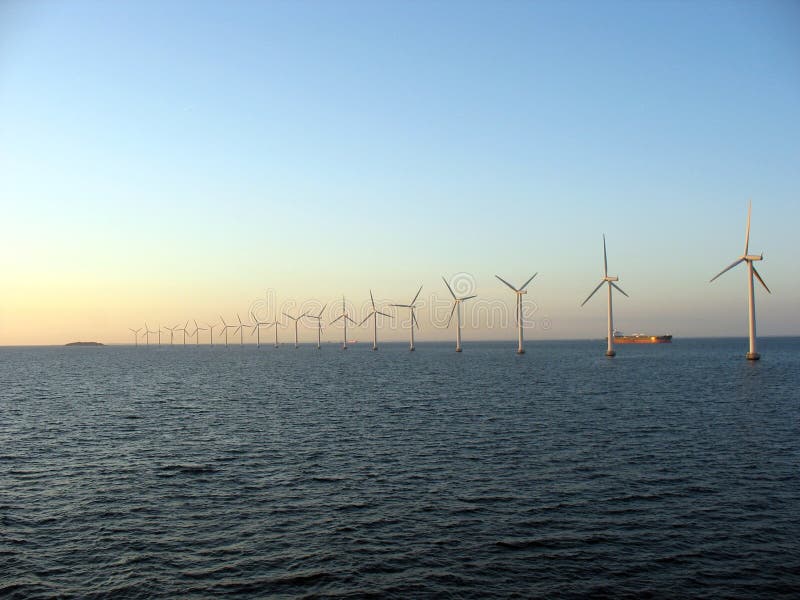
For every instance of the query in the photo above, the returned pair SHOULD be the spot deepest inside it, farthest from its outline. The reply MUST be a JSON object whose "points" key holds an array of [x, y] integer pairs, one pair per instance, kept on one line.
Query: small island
{"points": [[84, 344]]}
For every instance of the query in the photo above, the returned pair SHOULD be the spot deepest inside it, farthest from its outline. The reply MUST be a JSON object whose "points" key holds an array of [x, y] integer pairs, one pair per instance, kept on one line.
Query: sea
{"points": [[669, 471]]}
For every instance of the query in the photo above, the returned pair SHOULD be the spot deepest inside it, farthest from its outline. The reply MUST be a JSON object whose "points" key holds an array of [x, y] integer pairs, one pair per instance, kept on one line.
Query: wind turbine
{"points": [[414, 323], [319, 326], [374, 314], [240, 329], [171, 333], [345, 317], [225, 328], [183, 329], [135, 335], [456, 306], [211, 327], [147, 333], [257, 328], [296, 321], [610, 280], [197, 330], [751, 271], [519, 292]]}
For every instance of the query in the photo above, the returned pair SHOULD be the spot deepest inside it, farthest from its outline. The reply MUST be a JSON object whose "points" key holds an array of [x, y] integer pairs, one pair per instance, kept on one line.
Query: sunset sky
{"points": [[165, 161]]}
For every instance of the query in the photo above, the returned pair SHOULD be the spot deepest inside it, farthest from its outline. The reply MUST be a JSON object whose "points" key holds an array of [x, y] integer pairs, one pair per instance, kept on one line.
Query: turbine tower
{"points": [[296, 321], [225, 328], [456, 308], [751, 272], [147, 333], [211, 332], [183, 329], [135, 335], [374, 314], [611, 281], [345, 317], [414, 323], [171, 333], [197, 330], [319, 326], [240, 329], [257, 328], [519, 292]]}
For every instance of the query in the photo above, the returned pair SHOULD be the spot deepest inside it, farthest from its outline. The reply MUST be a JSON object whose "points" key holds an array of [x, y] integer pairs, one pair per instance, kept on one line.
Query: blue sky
{"points": [[174, 160]]}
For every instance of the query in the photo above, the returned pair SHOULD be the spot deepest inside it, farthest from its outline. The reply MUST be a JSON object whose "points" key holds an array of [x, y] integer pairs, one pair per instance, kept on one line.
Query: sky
{"points": [[165, 161]]}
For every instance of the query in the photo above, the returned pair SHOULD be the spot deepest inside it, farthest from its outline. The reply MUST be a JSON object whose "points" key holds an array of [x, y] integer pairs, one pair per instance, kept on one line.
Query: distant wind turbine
{"points": [[183, 329], [374, 314], [751, 272], [519, 292], [414, 323], [225, 328], [197, 330], [257, 329], [610, 280], [319, 326], [345, 318], [171, 333], [135, 335], [296, 321], [240, 329], [456, 308], [211, 327], [147, 332]]}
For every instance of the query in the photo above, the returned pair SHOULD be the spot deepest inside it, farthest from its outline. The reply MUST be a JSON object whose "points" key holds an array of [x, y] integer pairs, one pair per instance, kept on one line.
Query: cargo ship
{"points": [[641, 338]]}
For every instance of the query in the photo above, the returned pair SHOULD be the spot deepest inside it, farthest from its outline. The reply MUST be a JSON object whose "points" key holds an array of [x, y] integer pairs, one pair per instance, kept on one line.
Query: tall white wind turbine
{"points": [[319, 326], [456, 308], [519, 292], [135, 335], [211, 327], [225, 328], [296, 321], [257, 329], [197, 330], [147, 332], [751, 272], [374, 314], [611, 281], [412, 306], [345, 318], [171, 333], [183, 329], [240, 329]]}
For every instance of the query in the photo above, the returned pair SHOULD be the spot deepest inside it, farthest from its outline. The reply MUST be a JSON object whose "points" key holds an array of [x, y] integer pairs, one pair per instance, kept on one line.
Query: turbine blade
{"points": [[365, 318], [451, 313], [336, 319], [605, 257], [761, 281], [468, 297], [449, 288], [287, 315], [599, 285], [417, 296], [377, 312], [728, 268], [527, 282], [747, 231], [508, 284], [372, 300], [414, 320], [619, 289], [402, 305], [322, 311], [349, 319]]}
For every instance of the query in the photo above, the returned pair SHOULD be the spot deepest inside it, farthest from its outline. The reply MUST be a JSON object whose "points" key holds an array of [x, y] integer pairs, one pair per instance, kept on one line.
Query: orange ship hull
{"points": [[642, 339]]}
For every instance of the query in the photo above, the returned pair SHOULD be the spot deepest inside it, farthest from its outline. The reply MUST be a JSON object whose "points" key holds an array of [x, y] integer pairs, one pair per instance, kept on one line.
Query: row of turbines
{"points": [[611, 281]]}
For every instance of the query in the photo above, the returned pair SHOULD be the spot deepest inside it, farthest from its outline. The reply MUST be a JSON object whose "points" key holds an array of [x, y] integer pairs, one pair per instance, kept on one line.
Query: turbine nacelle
{"points": [[610, 278]]}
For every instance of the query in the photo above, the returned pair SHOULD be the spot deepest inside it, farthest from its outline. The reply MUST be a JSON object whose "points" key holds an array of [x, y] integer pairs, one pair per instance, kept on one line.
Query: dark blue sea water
{"points": [[669, 471]]}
